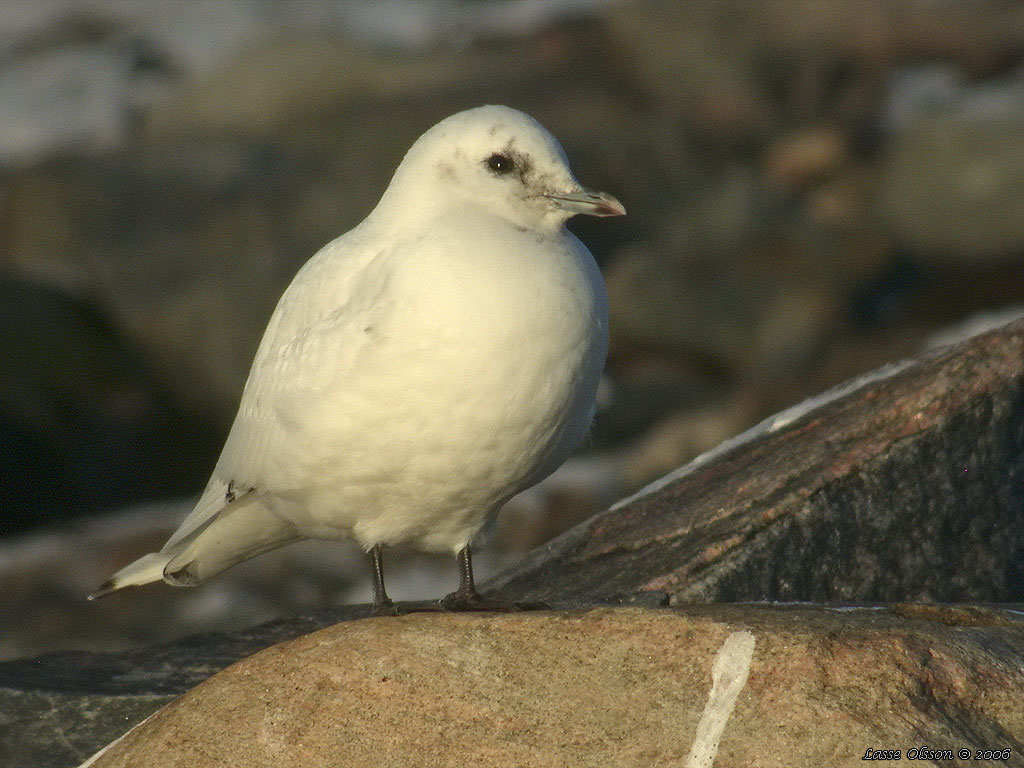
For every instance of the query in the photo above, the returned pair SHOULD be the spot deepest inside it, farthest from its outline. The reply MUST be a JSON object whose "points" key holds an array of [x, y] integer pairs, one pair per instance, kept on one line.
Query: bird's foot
{"points": [[473, 601], [385, 608], [406, 607], [455, 602]]}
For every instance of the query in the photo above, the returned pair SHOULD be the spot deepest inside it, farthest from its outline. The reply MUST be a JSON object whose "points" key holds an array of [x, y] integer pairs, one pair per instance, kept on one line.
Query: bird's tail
{"points": [[249, 529], [144, 570]]}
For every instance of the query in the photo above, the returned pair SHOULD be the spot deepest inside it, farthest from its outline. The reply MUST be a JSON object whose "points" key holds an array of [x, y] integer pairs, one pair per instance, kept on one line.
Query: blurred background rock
{"points": [[815, 187]]}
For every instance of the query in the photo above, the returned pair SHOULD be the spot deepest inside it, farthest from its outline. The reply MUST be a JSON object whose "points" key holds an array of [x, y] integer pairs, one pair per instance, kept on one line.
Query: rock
{"points": [[907, 484], [682, 307], [804, 157], [47, 574], [677, 57], [56, 710], [165, 236], [711, 311], [732, 72], [295, 80], [792, 329], [742, 685], [646, 389], [67, 92], [976, 324], [83, 420], [954, 188]]}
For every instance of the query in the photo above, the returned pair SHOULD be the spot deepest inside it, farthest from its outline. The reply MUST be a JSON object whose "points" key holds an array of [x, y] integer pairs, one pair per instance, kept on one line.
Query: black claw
{"points": [[466, 598], [457, 601], [385, 609]]}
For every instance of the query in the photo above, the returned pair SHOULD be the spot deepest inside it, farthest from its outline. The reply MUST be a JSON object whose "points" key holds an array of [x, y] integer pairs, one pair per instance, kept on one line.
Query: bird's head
{"points": [[500, 160]]}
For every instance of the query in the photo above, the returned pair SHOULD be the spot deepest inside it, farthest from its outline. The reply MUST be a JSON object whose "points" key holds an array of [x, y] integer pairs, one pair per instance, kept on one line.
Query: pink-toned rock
{"points": [[608, 687]]}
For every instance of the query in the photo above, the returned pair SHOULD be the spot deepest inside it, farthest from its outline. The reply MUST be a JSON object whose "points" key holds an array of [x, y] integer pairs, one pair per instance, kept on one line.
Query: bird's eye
{"points": [[500, 164]]}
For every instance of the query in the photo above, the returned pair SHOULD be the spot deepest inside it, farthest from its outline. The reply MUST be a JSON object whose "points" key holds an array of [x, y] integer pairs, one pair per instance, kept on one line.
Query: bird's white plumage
{"points": [[420, 369]]}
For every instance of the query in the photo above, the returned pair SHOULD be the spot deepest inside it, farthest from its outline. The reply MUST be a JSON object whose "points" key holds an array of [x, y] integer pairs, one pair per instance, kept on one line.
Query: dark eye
{"points": [[500, 164]]}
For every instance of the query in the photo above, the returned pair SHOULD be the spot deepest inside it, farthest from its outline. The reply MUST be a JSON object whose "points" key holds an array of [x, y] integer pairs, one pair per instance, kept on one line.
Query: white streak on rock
{"points": [[100, 754], [728, 676]]}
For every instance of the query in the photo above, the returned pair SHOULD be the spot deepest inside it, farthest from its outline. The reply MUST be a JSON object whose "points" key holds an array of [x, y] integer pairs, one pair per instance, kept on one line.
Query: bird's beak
{"points": [[588, 202]]}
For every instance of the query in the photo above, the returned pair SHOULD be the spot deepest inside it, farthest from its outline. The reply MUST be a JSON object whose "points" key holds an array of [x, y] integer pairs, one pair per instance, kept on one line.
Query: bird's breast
{"points": [[496, 339], [499, 298], [478, 359]]}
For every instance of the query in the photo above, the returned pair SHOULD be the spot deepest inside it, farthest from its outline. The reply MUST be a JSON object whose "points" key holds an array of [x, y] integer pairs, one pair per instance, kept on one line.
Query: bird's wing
{"points": [[312, 340]]}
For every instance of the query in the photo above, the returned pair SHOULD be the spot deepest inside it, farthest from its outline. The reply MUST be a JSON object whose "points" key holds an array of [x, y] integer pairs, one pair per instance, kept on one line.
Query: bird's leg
{"points": [[466, 593], [382, 605], [466, 598]]}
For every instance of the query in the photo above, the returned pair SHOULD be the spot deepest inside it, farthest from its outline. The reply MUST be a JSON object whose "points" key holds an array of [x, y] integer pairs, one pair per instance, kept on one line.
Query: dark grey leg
{"points": [[466, 593], [381, 602], [466, 598]]}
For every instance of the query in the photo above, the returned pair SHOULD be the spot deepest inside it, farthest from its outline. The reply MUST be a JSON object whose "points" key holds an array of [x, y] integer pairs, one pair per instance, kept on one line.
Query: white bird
{"points": [[420, 370]]}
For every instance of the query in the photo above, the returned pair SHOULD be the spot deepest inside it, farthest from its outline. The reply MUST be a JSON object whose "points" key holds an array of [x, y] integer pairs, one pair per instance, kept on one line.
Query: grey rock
{"points": [[719, 311], [47, 574], [734, 72]]}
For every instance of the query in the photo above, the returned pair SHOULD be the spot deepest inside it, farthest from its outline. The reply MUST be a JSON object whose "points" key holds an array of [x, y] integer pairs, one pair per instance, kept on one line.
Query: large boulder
{"points": [[728, 685]]}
